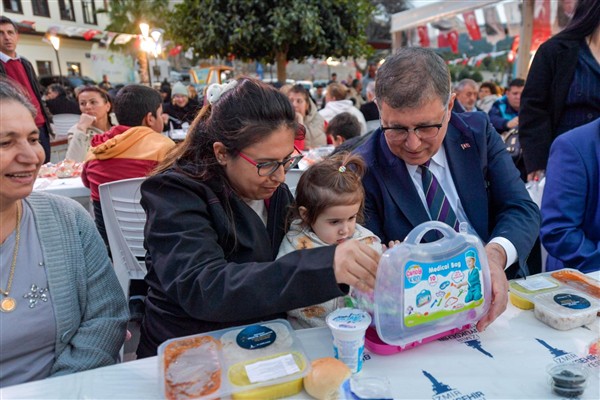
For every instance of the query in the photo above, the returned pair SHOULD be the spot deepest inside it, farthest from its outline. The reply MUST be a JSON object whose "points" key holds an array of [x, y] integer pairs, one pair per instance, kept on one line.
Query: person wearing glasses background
{"points": [[216, 214], [422, 141]]}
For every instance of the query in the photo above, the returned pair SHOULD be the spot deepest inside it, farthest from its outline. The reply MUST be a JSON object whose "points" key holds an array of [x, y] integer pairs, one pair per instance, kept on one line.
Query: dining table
{"points": [[509, 360], [69, 187]]}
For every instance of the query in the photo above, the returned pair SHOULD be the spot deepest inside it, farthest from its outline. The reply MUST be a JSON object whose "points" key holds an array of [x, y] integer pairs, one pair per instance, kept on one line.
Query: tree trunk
{"points": [[143, 63], [281, 59]]}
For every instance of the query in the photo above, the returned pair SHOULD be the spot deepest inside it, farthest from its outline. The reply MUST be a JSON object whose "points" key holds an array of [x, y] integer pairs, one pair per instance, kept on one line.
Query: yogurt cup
{"points": [[348, 327]]}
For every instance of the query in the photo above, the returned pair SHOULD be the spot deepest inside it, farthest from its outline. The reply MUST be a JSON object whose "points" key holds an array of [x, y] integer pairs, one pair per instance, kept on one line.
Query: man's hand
{"points": [[513, 123], [496, 260], [536, 175]]}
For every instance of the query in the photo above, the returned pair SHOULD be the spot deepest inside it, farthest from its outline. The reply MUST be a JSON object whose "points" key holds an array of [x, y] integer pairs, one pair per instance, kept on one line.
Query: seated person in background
{"points": [[327, 211], [337, 104], [95, 106], [423, 147], [466, 96], [343, 127], [129, 150], [488, 94], [307, 115], [58, 102], [216, 215], [62, 309], [369, 109], [571, 202], [504, 113], [182, 109], [354, 93]]}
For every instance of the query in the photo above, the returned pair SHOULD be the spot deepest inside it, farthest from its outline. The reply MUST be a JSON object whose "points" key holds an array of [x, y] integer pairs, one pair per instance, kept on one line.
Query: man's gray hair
{"points": [[464, 83], [411, 77]]}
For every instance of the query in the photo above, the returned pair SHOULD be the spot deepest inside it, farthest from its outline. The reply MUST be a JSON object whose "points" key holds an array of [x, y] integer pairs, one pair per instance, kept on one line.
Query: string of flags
{"points": [[107, 38], [549, 18]]}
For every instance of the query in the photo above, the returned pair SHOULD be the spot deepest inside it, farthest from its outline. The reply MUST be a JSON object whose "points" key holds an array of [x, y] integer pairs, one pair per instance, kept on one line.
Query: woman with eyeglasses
{"points": [[95, 106], [216, 211]]}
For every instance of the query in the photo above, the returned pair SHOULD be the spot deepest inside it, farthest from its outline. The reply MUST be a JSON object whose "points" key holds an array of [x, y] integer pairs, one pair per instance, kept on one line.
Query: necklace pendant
{"points": [[8, 304]]}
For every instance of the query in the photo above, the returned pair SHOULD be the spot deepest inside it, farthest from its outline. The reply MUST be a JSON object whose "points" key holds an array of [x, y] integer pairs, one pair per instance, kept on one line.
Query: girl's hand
{"points": [[85, 121], [355, 264]]}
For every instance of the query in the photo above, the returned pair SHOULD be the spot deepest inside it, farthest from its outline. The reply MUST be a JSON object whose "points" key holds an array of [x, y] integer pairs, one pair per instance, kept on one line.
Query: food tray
{"points": [[524, 291], [264, 360], [565, 309]]}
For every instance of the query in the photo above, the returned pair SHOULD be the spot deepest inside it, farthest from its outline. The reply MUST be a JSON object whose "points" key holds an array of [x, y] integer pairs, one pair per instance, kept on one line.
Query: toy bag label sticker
{"points": [[256, 337], [272, 369], [436, 290]]}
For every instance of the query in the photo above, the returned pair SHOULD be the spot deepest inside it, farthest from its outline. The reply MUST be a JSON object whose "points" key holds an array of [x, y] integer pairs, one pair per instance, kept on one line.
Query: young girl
{"points": [[329, 203]]}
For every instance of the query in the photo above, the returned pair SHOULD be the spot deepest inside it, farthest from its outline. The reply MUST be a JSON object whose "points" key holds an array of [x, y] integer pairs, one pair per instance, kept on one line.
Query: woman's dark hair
{"points": [[241, 117], [490, 85], [96, 89], [585, 20], [299, 89], [335, 181], [12, 91], [58, 89]]}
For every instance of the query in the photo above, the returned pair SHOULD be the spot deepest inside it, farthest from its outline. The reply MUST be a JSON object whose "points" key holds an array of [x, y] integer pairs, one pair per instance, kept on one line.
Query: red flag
{"points": [[541, 23], [89, 35], [449, 39], [472, 26], [175, 50], [423, 35]]}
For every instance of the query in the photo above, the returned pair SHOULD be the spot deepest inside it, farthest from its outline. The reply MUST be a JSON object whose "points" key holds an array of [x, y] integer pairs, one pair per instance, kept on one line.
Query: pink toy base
{"points": [[374, 344]]}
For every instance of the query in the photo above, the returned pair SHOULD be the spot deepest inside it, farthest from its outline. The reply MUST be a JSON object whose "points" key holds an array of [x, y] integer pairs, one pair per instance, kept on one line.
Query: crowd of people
{"points": [[228, 244]]}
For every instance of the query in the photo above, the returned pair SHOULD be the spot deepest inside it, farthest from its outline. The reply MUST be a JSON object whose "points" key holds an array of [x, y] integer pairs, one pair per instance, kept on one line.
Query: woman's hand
{"points": [[85, 121], [299, 118], [355, 264]]}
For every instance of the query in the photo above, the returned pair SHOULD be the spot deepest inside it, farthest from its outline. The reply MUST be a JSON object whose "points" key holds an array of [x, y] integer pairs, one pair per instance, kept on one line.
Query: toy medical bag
{"points": [[425, 291]]}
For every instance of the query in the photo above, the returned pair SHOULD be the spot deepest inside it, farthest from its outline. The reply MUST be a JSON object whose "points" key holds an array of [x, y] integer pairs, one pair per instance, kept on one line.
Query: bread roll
{"points": [[325, 378]]}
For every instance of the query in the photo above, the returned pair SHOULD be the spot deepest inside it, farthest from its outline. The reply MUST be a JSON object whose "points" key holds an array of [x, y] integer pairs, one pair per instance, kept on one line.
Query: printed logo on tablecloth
{"points": [[470, 337], [444, 392], [561, 356]]}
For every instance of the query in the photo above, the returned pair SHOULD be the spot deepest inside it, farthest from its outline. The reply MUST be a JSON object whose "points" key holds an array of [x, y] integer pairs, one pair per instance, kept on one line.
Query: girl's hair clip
{"points": [[215, 91], [342, 168]]}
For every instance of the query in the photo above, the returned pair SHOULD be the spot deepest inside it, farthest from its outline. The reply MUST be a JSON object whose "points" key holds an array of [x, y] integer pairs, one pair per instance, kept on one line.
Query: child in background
{"points": [[342, 127], [329, 204]]}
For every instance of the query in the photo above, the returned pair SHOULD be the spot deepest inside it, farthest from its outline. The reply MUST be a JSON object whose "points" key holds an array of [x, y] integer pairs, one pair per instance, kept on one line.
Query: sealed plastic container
{"points": [[264, 360], [565, 309], [348, 327], [568, 380], [522, 291], [428, 290]]}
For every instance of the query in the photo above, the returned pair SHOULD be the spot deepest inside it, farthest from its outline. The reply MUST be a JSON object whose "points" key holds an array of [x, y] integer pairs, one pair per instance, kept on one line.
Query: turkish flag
{"points": [[423, 35], [472, 26], [449, 39], [541, 23], [89, 35], [175, 50]]}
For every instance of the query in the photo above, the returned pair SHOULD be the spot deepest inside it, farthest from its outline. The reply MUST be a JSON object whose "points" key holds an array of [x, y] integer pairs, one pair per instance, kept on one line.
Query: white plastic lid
{"points": [[349, 320]]}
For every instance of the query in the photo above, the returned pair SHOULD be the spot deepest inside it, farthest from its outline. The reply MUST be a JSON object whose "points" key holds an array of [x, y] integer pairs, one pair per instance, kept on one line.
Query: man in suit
{"points": [[21, 71], [571, 202], [420, 135]]}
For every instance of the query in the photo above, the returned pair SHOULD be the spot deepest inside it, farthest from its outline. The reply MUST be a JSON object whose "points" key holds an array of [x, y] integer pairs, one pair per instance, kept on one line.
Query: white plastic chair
{"points": [[61, 123], [124, 219]]}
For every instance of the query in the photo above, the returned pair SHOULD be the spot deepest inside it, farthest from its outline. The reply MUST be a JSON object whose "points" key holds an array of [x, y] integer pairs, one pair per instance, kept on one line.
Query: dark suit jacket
{"points": [[211, 261], [544, 96], [571, 202], [493, 196]]}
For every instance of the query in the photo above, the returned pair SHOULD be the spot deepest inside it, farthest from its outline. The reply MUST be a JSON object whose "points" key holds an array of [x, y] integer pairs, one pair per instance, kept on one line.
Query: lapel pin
{"points": [[465, 145]]}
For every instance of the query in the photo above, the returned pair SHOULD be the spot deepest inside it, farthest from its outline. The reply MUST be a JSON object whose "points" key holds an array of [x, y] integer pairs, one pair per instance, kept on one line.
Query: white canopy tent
{"points": [[441, 10]]}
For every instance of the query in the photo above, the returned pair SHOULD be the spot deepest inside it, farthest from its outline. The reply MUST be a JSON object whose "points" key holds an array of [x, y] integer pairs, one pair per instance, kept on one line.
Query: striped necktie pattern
{"points": [[439, 206]]}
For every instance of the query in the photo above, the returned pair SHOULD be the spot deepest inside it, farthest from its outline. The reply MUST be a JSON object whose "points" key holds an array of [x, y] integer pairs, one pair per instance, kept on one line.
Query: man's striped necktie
{"points": [[439, 206]]}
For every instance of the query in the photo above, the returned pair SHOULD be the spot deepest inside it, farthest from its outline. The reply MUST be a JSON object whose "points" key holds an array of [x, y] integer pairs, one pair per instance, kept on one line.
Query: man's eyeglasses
{"points": [[422, 132], [268, 168]]}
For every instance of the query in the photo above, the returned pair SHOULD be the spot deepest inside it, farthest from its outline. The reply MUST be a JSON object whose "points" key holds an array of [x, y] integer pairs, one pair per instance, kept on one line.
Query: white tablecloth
{"points": [[68, 187], [507, 361]]}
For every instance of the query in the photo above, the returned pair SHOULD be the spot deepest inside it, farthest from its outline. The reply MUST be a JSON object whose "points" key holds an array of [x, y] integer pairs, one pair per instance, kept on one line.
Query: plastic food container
{"points": [[348, 327], [568, 380], [565, 309], [425, 291], [260, 361]]}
